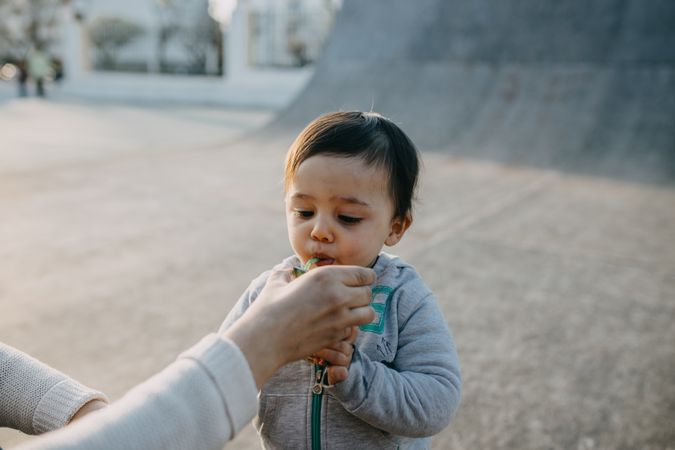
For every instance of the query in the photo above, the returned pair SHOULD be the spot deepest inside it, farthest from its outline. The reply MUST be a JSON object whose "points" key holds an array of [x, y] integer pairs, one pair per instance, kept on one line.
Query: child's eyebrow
{"points": [[350, 200], [301, 196], [341, 198]]}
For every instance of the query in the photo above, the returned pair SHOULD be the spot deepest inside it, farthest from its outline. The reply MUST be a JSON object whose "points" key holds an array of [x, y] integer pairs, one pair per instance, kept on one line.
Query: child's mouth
{"points": [[324, 261], [315, 261]]}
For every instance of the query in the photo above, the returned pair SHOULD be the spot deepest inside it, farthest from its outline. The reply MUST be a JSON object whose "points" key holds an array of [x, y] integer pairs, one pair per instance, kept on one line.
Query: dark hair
{"points": [[366, 135]]}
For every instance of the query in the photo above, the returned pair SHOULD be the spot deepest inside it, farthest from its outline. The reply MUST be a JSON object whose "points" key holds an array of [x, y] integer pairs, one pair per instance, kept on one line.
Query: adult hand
{"points": [[292, 318]]}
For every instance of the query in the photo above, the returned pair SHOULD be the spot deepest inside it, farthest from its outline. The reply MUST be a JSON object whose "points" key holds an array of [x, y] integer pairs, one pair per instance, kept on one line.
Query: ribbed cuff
{"points": [[229, 369], [61, 403]]}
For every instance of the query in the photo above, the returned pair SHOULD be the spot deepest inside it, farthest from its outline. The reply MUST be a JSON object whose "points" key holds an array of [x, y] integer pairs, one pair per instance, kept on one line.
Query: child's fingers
{"points": [[336, 374], [333, 357], [344, 346], [339, 354]]}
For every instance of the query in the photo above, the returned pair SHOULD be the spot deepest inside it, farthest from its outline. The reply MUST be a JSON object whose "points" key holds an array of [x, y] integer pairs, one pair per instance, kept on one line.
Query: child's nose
{"points": [[321, 231]]}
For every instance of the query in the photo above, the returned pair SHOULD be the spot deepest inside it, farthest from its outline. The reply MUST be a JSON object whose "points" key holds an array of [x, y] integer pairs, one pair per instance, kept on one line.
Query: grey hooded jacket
{"points": [[404, 380]]}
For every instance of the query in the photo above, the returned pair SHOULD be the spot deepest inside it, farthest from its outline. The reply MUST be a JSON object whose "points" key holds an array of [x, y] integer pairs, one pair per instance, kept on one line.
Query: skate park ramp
{"points": [[587, 87]]}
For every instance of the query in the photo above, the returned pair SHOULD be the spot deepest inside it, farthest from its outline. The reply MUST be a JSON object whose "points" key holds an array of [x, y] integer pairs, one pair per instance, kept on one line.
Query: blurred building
{"points": [[168, 36], [288, 33], [157, 36]]}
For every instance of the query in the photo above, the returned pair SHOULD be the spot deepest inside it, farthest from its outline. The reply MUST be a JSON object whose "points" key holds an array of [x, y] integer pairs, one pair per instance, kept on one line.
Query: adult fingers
{"points": [[341, 325], [338, 287], [341, 328], [359, 316], [354, 332], [349, 275], [357, 276], [356, 297]]}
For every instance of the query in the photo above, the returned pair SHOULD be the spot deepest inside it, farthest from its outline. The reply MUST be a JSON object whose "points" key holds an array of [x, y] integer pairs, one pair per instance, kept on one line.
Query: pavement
{"points": [[72, 174], [263, 88], [129, 232]]}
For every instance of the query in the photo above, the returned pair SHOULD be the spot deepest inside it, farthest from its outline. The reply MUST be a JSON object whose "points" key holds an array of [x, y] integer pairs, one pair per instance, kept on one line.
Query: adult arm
{"points": [[197, 402], [35, 398], [201, 400]]}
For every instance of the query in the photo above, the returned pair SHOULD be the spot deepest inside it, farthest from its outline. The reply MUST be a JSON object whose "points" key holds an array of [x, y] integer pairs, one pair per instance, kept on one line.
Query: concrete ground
{"points": [[270, 89], [126, 233]]}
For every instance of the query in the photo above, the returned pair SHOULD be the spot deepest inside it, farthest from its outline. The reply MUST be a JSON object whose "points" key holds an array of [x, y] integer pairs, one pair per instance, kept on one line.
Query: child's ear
{"points": [[399, 225]]}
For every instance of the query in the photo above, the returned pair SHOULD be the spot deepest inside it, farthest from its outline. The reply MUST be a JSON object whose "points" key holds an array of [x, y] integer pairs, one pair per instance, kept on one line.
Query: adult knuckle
{"points": [[334, 298], [334, 334], [362, 277], [321, 275]]}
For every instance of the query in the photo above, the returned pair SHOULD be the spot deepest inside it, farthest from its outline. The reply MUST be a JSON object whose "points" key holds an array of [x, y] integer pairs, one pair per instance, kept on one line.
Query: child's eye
{"points": [[349, 219], [303, 213]]}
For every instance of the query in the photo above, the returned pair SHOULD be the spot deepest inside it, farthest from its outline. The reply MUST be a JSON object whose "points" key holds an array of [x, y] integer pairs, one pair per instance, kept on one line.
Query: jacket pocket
{"points": [[343, 430], [282, 421]]}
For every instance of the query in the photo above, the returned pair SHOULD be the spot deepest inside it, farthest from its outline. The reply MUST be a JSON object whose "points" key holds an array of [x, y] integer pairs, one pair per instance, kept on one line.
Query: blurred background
{"points": [[162, 50], [141, 155]]}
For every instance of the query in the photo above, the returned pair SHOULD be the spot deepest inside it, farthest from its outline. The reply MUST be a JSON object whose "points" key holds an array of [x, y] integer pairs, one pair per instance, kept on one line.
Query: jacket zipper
{"points": [[317, 396]]}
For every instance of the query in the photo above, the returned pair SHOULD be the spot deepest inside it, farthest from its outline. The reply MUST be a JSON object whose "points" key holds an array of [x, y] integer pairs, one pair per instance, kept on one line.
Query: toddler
{"points": [[349, 182]]}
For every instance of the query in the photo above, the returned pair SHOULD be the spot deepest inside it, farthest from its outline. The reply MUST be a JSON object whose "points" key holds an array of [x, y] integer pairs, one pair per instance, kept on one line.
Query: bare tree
{"points": [[188, 25], [201, 38], [109, 35], [168, 13], [28, 23]]}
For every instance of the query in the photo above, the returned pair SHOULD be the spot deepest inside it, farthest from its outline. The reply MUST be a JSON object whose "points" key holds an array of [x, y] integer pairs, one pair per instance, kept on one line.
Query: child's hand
{"points": [[339, 356]]}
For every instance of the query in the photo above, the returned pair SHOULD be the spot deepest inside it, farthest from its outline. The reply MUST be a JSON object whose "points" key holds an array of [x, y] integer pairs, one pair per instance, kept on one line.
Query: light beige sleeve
{"points": [[35, 398], [198, 402]]}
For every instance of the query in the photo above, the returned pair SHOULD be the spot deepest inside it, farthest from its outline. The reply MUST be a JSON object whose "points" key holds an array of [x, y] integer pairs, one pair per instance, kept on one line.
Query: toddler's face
{"points": [[340, 210]]}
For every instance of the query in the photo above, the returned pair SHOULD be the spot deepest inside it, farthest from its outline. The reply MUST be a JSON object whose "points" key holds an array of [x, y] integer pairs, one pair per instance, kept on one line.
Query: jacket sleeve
{"points": [[245, 300], [419, 392], [198, 402], [35, 398]]}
